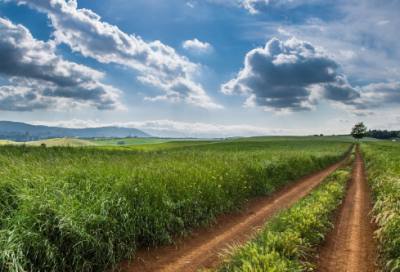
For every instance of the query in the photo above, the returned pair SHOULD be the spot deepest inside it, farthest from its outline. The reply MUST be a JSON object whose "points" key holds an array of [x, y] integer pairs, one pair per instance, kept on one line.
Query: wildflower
{"points": [[219, 186]]}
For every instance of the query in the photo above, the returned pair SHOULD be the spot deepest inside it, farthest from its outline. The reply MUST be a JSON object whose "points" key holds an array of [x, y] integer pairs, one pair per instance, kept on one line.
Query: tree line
{"points": [[383, 134]]}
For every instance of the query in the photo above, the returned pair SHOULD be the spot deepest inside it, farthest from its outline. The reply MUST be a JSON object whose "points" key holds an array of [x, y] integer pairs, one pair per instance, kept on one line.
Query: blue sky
{"points": [[211, 67]]}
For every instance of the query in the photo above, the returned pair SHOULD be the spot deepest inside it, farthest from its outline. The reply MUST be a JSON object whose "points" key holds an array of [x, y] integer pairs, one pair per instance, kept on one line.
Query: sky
{"points": [[210, 67]]}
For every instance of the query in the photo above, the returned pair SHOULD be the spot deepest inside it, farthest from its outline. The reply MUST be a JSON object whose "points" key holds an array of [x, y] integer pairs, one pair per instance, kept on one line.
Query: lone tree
{"points": [[358, 131]]}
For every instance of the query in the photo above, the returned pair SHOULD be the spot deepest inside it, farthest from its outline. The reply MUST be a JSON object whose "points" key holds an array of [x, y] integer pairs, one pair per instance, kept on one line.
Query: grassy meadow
{"points": [[88, 208], [383, 168]]}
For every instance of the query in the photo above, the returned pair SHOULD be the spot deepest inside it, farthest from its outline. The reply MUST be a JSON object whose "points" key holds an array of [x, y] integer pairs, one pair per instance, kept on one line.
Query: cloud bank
{"points": [[160, 65], [53, 82]]}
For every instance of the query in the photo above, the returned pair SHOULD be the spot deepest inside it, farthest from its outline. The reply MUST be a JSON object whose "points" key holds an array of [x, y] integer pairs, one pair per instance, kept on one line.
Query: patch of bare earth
{"points": [[202, 247], [350, 247]]}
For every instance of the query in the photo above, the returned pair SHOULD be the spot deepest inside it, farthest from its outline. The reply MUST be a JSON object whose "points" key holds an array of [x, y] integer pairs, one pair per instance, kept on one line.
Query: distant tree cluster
{"points": [[382, 134]]}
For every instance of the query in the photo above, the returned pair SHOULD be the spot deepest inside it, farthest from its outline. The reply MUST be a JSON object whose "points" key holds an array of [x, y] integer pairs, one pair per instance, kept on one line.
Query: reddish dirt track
{"points": [[202, 247], [350, 246]]}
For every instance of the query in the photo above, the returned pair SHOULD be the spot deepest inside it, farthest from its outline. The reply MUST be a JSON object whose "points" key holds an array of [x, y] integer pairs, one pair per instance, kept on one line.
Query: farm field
{"points": [[87, 208], [5, 142], [138, 141], [52, 142], [383, 168], [202, 248], [207, 144], [330, 138], [290, 236], [152, 144]]}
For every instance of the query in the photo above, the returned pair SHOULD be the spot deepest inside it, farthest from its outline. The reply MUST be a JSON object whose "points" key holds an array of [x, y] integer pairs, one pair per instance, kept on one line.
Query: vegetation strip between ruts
{"points": [[83, 209], [290, 237], [382, 161]]}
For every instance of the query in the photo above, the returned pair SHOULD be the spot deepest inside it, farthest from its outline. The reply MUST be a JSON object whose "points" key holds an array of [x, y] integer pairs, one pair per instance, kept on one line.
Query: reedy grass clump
{"points": [[287, 239], [382, 161], [83, 209]]}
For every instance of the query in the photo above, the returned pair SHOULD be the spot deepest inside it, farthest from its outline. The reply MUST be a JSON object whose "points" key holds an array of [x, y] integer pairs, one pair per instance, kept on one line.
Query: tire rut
{"points": [[202, 247], [351, 246]]}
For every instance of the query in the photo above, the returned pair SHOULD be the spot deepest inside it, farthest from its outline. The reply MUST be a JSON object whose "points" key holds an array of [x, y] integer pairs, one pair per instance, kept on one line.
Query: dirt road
{"points": [[200, 249], [350, 246]]}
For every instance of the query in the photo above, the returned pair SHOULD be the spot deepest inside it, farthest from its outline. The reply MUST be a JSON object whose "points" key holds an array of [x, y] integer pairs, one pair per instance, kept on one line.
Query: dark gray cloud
{"points": [[281, 76], [23, 57], [340, 91], [20, 99], [361, 101], [160, 65], [31, 94]]}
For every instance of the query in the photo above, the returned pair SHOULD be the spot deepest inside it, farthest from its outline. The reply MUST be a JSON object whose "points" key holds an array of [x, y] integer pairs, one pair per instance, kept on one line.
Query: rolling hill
{"points": [[16, 131]]}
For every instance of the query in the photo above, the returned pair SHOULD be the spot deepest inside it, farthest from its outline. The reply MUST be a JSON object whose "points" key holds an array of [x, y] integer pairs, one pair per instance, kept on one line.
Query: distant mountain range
{"points": [[16, 131]]}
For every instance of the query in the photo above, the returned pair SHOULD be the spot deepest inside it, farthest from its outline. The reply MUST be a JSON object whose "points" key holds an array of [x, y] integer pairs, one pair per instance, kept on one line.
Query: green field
{"points": [[5, 142], [152, 144], [52, 142], [383, 169], [87, 208], [286, 240], [340, 138], [208, 144], [137, 141]]}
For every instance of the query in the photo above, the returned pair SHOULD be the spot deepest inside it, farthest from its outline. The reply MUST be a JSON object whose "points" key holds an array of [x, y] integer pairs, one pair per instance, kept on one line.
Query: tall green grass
{"points": [[383, 167], [83, 209], [291, 236]]}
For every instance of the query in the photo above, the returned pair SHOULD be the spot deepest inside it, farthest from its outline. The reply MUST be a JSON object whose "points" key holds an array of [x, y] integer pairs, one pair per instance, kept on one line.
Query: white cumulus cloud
{"points": [[160, 65], [281, 77], [43, 80], [196, 46]]}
